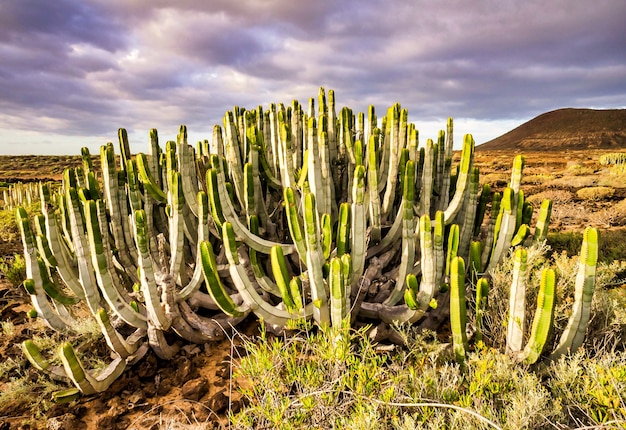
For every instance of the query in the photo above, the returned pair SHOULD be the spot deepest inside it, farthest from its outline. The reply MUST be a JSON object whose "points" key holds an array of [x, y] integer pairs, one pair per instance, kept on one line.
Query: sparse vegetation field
{"points": [[318, 379]]}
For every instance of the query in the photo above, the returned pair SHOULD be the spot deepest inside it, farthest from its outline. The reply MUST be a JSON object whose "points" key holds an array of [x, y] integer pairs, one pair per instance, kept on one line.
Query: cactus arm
{"points": [[314, 261], [214, 284], [358, 246], [427, 263], [314, 170], [252, 240], [453, 247], [393, 119], [482, 291], [374, 197], [83, 254], [188, 171], [104, 270], [462, 182], [467, 229], [574, 334], [51, 289], [328, 189], [338, 305], [426, 191], [517, 304], [543, 221], [150, 184], [543, 320], [156, 314], [475, 265], [279, 269], [344, 227], [270, 315], [516, 174], [114, 339], [408, 235], [506, 229], [203, 234], [43, 307], [176, 201], [83, 379], [438, 249], [257, 268], [482, 208], [233, 155], [293, 221], [522, 233], [458, 308], [59, 249], [286, 164], [491, 229]]}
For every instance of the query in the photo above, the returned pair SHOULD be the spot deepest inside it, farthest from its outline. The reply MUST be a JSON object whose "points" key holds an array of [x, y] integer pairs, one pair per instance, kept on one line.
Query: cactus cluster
{"points": [[543, 322], [20, 194], [293, 215]]}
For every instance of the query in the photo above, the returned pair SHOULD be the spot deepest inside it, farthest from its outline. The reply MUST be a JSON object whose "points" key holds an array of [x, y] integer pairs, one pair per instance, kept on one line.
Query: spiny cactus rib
{"points": [[465, 169], [574, 334], [408, 236], [253, 241], [268, 313], [458, 308], [338, 300], [156, 314], [482, 294], [541, 228], [517, 304], [104, 270], [214, 284], [543, 320], [314, 261], [279, 269]]}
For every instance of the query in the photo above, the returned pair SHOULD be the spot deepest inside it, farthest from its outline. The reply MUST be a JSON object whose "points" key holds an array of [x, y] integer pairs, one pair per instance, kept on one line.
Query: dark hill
{"points": [[566, 129]]}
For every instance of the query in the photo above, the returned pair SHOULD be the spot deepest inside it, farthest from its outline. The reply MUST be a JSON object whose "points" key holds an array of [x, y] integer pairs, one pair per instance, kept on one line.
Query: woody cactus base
{"points": [[293, 215]]}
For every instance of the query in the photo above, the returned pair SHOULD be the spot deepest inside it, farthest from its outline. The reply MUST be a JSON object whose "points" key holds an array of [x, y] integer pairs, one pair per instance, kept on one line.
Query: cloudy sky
{"points": [[73, 71]]}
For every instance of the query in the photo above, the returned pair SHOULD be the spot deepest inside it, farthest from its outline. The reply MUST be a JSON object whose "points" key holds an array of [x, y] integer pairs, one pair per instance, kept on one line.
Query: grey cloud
{"points": [[100, 64]]}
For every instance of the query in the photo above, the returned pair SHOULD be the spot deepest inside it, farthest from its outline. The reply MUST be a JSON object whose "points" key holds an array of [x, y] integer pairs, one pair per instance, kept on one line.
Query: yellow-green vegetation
{"points": [[342, 379], [612, 244], [595, 193]]}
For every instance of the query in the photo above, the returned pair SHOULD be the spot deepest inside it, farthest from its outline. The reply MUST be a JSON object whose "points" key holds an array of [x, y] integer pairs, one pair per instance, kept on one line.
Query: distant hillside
{"points": [[566, 129]]}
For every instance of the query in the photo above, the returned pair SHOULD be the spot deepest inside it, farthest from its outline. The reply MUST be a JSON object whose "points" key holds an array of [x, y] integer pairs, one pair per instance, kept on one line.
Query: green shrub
{"points": [[14, 269]]}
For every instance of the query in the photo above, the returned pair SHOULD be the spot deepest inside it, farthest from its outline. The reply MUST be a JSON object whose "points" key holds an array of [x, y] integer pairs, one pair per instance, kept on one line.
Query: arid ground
{"points": [[197, 386]]}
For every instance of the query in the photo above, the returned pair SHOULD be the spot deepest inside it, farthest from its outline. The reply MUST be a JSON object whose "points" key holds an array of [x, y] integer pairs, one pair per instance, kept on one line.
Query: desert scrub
{"points": [[612, 158], [591, 391], [557, 196], [13, 269], [538, 179], [595, 193], [8, 226], [311, 381], [579, 169], [571, 181]]}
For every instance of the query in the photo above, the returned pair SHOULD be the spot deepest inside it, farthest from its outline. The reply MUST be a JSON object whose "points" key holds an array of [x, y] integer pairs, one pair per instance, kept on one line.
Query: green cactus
{"points": [[333, 204]]}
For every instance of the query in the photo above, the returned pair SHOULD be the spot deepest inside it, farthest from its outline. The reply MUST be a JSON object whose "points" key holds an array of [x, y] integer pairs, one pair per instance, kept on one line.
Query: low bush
{"points": [[595, 193]]}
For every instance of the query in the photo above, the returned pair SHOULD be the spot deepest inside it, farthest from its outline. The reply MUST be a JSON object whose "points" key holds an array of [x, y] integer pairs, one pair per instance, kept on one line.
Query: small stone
{"points": [[196, 388], [219, 402]]}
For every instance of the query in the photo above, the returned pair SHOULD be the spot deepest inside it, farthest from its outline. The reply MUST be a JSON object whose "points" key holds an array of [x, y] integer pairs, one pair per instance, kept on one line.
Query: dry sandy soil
{"points": [[197, 387]]}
